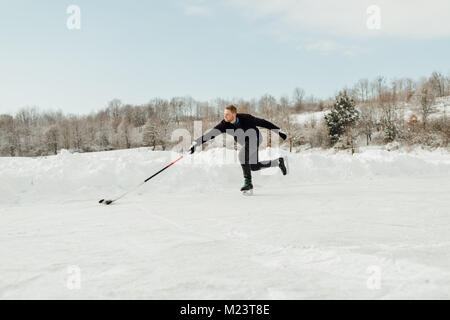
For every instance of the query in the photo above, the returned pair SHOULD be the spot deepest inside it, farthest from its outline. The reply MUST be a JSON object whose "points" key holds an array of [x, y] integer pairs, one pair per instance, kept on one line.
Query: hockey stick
{"points": [[108, 202]]}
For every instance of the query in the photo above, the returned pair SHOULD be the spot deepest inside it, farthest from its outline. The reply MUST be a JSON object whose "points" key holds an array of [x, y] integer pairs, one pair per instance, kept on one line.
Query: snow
{"points": [[369, 226], [308, 117], [440, 109]]}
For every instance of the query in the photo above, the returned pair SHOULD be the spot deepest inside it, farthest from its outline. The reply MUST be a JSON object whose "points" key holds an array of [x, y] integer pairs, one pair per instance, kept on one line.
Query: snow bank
{"points": [[96, 175]]}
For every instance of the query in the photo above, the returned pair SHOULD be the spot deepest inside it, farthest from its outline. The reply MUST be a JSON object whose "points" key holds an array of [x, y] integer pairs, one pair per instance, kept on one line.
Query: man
{"points": [[243, 127]]}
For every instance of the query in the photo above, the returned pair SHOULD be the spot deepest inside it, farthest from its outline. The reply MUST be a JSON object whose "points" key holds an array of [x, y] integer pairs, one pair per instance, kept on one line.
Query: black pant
{"points": [[248, 157]]}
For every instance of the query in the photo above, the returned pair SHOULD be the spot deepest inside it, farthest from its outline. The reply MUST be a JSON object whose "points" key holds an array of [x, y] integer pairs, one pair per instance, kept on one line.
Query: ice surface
{"points": [[371, 225]]}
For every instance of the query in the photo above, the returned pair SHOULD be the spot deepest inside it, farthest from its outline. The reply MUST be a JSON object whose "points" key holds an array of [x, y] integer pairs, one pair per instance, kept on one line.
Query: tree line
{"points": [[380, 104]]}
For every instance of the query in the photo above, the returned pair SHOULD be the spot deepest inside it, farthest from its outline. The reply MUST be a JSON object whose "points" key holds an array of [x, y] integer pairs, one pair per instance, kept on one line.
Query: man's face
{"points": [[229, 116]]}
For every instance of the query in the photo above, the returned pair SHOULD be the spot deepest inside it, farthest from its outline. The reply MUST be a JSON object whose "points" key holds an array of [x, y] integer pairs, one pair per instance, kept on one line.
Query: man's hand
{"points": [[282, 135], [192, 148]]}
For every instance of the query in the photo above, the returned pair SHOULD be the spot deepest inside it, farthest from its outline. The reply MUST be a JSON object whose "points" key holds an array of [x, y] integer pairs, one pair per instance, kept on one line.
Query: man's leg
{"points": [[249, 159], [258, 165], [265, 164], [244, 159]]}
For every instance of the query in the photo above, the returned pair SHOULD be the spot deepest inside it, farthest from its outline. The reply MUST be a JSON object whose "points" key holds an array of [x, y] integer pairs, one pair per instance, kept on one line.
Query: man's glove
{"points": [[282, 135], [192, 148]]}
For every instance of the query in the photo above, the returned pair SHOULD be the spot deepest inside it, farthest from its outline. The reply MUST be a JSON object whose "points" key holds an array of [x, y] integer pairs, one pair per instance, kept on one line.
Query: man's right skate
{"points": [[247, 188]]}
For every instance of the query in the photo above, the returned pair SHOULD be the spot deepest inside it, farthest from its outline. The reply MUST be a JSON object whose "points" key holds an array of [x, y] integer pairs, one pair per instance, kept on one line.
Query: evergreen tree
{"points": [[342, 116]]}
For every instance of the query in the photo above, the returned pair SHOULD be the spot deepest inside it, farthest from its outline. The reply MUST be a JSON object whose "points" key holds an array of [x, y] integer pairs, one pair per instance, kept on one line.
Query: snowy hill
{"points": [[308, 117], [441, 108], [371, 225]]}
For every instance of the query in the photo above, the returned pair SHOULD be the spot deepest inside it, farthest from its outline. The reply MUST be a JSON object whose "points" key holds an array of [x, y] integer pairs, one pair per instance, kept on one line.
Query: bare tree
{"points": [[267, 107], [426, 99], [284, 118], [437, 83], [51, 138], [114, 113], [362, 88], [367, 121], [125, 130], [76, 133], [9, 140], [298, 97]]}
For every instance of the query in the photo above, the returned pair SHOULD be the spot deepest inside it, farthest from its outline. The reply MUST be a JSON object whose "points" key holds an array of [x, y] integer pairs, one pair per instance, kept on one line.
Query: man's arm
{"points": [[269, 125], [264, 124], [211, 134]]}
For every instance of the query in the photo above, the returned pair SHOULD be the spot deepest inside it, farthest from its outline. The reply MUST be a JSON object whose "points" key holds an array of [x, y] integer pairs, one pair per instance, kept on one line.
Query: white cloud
{"points": [[399, 18], [326, 47], [197, 10]]}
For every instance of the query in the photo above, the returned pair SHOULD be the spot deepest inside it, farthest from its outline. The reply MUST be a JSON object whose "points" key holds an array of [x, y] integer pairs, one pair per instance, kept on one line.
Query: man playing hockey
{"points": [[243, 127]]}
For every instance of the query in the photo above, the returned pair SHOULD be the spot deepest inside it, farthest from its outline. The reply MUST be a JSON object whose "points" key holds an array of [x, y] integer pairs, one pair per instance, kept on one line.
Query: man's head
{"points": [[229, 114]]}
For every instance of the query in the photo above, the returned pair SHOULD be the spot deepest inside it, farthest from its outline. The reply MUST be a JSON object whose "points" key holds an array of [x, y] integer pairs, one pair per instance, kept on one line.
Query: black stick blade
{"points": [[106, 201]]}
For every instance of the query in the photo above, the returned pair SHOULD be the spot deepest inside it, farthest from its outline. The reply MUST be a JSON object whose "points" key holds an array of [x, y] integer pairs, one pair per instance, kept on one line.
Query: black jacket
{"points": [[246, 122]]}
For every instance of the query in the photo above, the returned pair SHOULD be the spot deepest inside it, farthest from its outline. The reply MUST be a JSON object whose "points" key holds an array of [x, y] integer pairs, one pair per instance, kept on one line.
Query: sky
{"points": [[136, 50]]}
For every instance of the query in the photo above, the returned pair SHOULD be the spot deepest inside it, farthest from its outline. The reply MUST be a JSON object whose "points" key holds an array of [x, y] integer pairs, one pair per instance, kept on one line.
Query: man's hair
{"points": [[232, 108]]}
